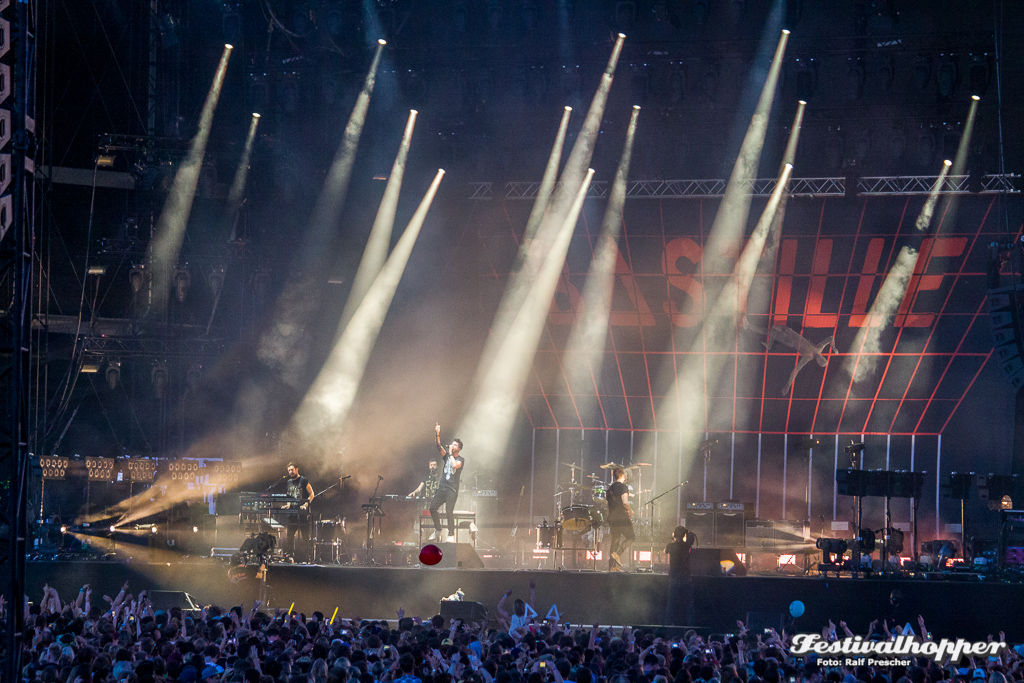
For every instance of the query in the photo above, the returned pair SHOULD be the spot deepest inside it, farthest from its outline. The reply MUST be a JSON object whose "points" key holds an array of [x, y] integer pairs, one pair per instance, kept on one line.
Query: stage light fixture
{"points": [[806, 78], [255, 115], [53, 468], [832, 549], [894, 544], [113, 373], [229, 46], [90, 367], [865, 541], [111, 529], [381, 41], [141, 470], [195, 529], [785, 31], [153, 529], [100, 469], [948, 76], [105, 161], [159, 377], [63, 529], [947, 162], [978, 75]]}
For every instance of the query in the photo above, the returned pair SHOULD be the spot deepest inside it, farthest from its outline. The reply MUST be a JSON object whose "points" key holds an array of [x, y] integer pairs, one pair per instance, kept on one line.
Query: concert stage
{"points": [[952, 605]]}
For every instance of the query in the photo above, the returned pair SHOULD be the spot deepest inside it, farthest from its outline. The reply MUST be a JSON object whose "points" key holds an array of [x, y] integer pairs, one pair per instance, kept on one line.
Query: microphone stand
{"points": [[372, 510], [275, 483], [651, 502], [316, 536]]}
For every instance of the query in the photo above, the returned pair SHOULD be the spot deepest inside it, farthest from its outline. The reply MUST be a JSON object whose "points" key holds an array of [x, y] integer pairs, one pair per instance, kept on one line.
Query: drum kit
{"points": [[581, 507]]}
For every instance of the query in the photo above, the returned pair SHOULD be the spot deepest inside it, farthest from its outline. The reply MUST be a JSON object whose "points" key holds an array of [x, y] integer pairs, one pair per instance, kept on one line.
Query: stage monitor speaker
{"points": [[757, 622], [466, 612], [715, 561], [702, 524], [458, 556], [167, 600], [729, 527]]}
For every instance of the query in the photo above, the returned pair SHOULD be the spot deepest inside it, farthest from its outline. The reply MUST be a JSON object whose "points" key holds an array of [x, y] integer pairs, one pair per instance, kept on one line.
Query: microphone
{"points": [[347, 476], [380, 478]]}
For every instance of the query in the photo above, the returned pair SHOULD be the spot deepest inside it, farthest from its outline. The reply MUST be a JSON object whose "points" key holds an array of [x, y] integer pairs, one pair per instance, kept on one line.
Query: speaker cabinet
{"points": [[715, 561], [466, 612], [458, 556], [702, 524], [729, 529]]}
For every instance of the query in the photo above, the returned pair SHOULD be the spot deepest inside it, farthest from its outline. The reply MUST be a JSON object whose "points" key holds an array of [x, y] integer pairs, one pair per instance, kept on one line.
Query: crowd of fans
{"points": [[124, 639]]}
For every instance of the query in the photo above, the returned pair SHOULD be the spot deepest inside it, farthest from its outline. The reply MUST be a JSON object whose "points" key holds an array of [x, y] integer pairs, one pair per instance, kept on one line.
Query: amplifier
{"points": [[700, 506], [731, 505], [729, 528]]}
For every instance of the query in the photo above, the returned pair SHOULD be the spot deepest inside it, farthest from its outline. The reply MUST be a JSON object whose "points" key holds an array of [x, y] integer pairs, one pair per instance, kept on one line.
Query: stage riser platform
{"points": [[951, 608]]}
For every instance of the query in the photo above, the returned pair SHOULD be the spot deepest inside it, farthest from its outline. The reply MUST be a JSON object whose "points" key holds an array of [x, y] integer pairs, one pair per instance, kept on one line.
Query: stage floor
{"points": [[952, 608]]}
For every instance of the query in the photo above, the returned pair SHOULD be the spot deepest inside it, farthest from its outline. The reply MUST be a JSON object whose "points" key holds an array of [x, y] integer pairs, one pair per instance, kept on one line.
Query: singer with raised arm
{"points": [[299, 488], [448, 485]]}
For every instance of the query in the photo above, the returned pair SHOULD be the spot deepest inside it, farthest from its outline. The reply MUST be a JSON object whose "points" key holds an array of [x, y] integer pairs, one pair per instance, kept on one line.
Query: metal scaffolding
{"points": [[763, 187]]}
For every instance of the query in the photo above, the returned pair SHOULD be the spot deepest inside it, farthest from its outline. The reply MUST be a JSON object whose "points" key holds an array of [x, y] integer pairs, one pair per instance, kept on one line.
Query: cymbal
{"points": [[642, 464], [595, 477], [572, 465], [611, 466]]}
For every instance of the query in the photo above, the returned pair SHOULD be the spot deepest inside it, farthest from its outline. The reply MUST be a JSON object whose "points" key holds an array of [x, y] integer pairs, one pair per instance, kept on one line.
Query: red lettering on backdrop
{"points": [[641, 312], [787, 266], [683, 247], [864, 285], [813, 317], [931, 247]]}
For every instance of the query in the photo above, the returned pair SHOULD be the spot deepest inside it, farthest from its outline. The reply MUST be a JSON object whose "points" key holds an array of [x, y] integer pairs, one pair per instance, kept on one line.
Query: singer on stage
{"points": [[299, 488], [448, 486]]}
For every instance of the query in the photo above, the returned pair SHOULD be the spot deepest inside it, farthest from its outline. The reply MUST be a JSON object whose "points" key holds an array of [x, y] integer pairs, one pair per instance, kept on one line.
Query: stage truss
{"points": [[763, 187]]}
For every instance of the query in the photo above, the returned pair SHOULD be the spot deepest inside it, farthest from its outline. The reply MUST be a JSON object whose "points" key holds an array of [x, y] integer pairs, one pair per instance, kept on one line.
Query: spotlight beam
{"points": [[170, 227], [550, 215], [280, 346], [500, 383], [334, 391], [734, 296], [759, 296], [376, 251], [547, 181], [332, 197], [237, 191], [699, 369], [862, 364], [731, 218], [588, 336]]}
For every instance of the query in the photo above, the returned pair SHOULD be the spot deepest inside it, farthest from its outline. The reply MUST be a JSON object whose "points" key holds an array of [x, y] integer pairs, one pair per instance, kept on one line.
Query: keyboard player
{"points": [[299, 488]]}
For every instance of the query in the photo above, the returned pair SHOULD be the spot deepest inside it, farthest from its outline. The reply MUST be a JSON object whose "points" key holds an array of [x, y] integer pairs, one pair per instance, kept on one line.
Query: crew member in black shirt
{"points": [[447, 486], [620, 518], [679, 609], [299, 488]]}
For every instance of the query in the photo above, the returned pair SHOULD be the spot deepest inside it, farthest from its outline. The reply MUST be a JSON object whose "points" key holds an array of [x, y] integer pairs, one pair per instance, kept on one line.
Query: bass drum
{"points": [[576, 518]]}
